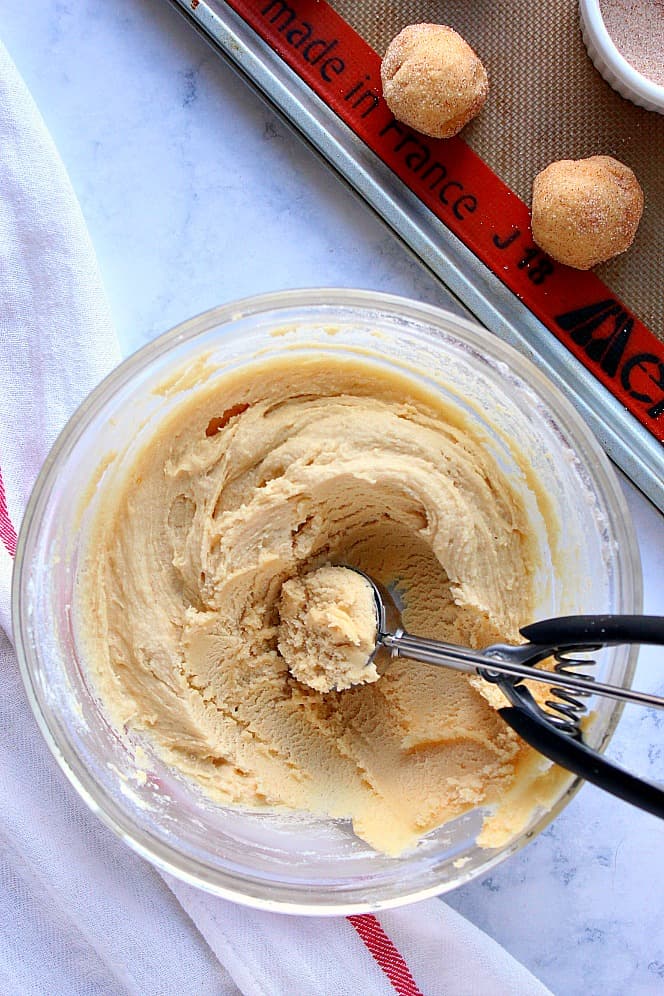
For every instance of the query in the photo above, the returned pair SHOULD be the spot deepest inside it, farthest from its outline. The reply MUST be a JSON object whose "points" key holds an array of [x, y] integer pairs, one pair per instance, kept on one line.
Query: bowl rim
{"points": [[643, 86], [144, 842]]}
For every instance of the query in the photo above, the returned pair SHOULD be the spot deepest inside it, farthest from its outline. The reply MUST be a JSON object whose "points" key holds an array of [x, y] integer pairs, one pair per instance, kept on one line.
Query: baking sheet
{"points": [[636, 450]]}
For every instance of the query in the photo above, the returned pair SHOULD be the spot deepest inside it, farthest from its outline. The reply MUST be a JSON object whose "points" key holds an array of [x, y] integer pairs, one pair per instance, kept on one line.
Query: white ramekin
{"points": [[613, 66]]}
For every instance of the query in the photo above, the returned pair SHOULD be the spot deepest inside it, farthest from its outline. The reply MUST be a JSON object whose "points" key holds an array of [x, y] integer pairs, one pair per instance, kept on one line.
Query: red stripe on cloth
{"points": [[386, 955], [7, 531]]}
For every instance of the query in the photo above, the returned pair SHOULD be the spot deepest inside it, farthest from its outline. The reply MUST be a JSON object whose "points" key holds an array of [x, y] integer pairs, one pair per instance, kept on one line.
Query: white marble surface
{"points": [[195, 194]]}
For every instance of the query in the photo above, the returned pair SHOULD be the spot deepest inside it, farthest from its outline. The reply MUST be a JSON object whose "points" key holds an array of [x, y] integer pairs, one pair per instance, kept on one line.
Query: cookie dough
{"points": [[328, 628], [432, 80], [257, 478], [585, 211]]}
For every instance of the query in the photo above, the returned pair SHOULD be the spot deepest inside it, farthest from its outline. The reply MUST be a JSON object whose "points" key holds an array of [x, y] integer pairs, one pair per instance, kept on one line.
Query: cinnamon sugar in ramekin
{"points": [[636, 28], [625, 41]]}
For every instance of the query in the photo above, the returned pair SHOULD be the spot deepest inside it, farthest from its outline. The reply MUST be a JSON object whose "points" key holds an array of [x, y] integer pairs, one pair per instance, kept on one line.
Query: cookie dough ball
{"points": [[328, 628], [432, 80], [585, 211]]}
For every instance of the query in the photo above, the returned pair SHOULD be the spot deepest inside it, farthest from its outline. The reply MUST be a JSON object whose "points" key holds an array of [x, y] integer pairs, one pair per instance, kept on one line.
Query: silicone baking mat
{"points": [[546, 102]]}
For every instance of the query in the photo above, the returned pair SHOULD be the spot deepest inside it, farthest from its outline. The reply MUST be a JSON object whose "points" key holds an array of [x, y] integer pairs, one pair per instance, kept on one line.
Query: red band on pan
{"points": [[461, 190], [385, 953]]}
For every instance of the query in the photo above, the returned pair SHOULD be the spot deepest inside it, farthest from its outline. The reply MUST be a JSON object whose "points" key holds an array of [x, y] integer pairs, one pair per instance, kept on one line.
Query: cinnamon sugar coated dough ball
{"points": [[432, 80], [585, 211]]}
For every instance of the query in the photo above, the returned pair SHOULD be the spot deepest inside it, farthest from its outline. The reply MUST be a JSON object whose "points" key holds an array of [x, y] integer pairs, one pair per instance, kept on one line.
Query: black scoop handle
{"points": [[576, 757], [605, 631]]}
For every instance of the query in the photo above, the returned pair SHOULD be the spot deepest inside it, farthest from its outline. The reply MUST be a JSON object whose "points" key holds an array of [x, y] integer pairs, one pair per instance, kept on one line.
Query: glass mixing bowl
{"points": [[296, 863]]}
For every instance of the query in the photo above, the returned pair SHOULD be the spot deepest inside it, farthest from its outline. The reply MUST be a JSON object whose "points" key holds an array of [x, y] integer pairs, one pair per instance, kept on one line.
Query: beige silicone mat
{"points": [[546, 102]]}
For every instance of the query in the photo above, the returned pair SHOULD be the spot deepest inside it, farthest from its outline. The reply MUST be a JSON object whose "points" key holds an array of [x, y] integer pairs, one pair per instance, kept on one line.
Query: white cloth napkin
{"points": [[79, 913]]}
